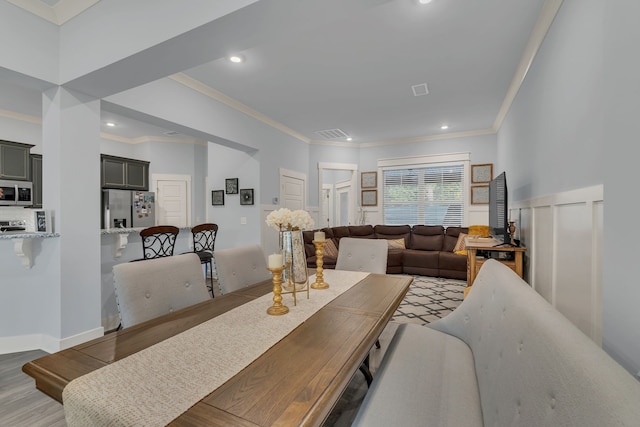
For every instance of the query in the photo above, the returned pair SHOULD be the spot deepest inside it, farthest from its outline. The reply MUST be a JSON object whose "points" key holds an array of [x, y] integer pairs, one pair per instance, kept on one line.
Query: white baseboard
{"points": [[46, 342]]}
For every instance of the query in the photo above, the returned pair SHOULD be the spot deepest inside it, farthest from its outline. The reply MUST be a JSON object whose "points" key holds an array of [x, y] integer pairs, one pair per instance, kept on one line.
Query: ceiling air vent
{"points": [[332, 134], [170, 132], [419, 90]]}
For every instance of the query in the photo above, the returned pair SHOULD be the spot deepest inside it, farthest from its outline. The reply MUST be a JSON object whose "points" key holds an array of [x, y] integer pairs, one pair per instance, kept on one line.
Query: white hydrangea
{"points": [[285, 219]]}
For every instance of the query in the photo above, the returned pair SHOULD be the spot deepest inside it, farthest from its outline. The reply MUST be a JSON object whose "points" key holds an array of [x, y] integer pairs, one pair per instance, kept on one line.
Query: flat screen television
{"points": [[498, 209]]}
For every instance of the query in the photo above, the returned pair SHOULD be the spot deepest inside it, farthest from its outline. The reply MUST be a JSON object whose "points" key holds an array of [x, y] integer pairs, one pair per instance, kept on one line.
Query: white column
{"points": [[71, 190]]}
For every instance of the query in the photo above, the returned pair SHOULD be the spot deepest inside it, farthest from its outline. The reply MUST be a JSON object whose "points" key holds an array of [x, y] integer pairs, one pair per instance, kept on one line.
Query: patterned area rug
{"points": [[428, 299]]}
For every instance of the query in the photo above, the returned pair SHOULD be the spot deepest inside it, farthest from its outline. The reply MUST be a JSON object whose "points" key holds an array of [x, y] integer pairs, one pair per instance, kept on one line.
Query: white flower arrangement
{"points": [[284, 219]]}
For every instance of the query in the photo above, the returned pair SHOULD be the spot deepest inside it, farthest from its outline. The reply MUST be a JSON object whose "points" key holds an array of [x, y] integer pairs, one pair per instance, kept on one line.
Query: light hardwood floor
{"points": [[21, 405]]}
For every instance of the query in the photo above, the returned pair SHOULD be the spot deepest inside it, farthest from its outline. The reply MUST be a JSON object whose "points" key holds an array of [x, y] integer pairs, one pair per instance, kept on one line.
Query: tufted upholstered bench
{"points": [[504, 357], [153, 287]]}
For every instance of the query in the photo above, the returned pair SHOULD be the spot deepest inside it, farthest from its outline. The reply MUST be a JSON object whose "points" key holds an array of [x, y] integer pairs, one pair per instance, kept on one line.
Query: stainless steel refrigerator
{"points": [[128, 209]]}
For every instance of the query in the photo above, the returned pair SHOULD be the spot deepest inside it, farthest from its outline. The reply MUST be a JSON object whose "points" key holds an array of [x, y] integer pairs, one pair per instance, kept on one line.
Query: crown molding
{"points": [[19, 116], [547, 15], [198, 86], [58, 14], [141, 139]]}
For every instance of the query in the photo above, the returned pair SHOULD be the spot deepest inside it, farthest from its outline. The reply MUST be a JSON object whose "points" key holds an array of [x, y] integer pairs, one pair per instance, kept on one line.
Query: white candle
{"points": [[275, 261], [318, 236]]}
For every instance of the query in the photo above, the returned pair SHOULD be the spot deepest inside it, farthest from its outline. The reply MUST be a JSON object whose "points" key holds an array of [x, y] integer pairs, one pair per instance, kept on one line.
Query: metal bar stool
{"points": [[204, 240], [158, 241]]}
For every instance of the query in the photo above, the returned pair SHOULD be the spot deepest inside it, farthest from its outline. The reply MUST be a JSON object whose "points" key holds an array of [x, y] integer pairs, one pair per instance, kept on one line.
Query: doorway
{"points": [[330, 174]]}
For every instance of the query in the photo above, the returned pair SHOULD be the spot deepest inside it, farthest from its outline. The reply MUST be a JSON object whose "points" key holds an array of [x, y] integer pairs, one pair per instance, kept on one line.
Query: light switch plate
{"points": [[243, 220]]}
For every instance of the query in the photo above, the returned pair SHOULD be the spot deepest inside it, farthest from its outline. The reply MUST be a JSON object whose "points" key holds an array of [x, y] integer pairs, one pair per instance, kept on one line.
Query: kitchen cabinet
{"points": [[36, 179], [14, 160], [123, 173]]}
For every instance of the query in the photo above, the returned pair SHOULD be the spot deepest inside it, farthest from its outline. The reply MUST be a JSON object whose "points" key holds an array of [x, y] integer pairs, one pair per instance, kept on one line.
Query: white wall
{"points": [[570, 128]]}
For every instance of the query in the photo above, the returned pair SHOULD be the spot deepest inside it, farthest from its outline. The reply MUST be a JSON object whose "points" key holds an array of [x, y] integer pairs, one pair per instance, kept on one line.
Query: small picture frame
{"points": [[231, 185], [480, 195], [217, 197], [369, 198], [482, 173], [369, 179], [246, 196], [41, 221]]}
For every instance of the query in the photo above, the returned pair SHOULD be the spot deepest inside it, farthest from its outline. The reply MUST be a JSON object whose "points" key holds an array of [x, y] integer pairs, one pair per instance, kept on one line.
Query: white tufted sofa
{"points": [[504, 357]]}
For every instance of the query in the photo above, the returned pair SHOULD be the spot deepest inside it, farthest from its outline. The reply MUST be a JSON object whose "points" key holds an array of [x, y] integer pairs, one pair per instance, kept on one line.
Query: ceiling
{"points": [[356, 75]]}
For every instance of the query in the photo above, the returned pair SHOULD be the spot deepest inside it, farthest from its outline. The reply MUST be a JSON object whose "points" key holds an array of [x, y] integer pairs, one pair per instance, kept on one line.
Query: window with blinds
{"points": [[428, 195]]}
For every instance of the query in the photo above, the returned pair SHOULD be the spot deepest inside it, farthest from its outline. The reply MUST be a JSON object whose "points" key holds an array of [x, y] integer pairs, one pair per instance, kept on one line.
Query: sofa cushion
{"points": [[330, 250], [427, 237], [361, 231], [396, 244], [393, 232], [420, 262], [340, 232], [451, 237], [426, 378]]}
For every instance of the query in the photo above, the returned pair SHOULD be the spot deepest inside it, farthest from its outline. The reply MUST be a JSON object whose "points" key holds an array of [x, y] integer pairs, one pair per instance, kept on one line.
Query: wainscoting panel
{"points": [[563, 263]]}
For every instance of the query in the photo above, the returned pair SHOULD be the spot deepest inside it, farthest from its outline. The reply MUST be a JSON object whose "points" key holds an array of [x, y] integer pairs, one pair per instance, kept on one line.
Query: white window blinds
{"points": [[429, 195]]}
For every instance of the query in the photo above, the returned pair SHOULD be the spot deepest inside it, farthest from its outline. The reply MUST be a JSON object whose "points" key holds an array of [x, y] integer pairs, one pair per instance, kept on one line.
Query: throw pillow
{"points": [[396, 244], [479, 230], [330, 249], [460, 247]]}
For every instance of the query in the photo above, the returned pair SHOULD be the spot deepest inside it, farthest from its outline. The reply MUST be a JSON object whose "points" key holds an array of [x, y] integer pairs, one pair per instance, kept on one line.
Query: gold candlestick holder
{"points": [[277, 308], [319, 283]]}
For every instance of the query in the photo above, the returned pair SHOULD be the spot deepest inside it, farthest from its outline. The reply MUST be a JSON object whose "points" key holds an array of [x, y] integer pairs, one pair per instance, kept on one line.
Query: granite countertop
{"points": [[26, 235], [129, 230]]}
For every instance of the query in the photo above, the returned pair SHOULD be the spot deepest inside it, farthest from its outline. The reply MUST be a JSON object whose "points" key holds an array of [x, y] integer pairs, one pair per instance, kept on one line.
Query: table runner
{"points": [[156, 385]]}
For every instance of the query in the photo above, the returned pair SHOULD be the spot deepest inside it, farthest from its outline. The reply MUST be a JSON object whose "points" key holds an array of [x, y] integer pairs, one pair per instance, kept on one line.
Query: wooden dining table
{"points": [[296, 382]]}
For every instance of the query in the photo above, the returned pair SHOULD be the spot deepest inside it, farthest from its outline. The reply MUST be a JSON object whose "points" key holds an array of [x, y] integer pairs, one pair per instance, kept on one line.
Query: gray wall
{"points": [[572, 125]]}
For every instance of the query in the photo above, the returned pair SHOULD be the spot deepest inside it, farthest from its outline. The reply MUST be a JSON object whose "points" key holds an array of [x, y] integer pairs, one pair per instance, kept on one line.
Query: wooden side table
{"points": [[474, 263]]}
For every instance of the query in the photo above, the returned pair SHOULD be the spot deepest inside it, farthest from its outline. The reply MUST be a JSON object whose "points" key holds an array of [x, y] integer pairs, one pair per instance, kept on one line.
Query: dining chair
{"points": [[204, 240], [158, 241], [146, 290], [369, 255], [240, 267]]}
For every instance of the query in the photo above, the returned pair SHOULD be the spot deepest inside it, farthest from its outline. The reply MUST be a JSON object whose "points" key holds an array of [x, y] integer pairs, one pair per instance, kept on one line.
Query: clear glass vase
{"points": [[295, 261]]}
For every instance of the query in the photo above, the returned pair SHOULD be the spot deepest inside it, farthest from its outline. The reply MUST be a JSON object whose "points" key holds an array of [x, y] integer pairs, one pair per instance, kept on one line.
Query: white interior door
{"points": [[326, 212], [172, 201], [292, 190], [343, 205]]}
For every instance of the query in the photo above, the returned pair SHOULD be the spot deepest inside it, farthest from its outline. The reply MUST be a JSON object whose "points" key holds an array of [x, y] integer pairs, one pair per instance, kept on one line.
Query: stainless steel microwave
{"points": [[16, 193]]}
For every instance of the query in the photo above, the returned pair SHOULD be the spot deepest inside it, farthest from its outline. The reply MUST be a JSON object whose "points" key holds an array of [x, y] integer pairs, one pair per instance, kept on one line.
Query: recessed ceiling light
{"points": [[444, 127], [349, 139], [111, 124], [236, 59], [424, 1]]}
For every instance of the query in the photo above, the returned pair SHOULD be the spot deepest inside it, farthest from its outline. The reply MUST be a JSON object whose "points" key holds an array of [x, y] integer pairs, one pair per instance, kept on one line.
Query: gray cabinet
{"points": [[123, 173], [14, 160], [36, 179]]}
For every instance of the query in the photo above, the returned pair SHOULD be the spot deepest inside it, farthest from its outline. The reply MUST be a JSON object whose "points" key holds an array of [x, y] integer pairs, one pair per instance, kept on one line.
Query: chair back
{"points": [[240, 267], [204, 237], [369, 255], [148, 289], [158, 241]]}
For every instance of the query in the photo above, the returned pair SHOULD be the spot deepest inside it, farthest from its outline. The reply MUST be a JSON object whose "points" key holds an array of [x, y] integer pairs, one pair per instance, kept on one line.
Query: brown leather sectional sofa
{"points": [[428, 248]]}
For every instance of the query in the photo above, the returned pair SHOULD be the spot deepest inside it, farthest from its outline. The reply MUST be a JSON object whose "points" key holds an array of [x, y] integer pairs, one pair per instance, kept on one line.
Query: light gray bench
{"points": [[504, 357]]}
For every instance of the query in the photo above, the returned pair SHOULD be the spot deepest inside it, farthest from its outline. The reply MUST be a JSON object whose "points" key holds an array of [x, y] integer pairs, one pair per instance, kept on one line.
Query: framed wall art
{"points": [[369, 198], [482, 173], [217, 197], [231, 185], [480, 195], [246, 196], [369, 179]]}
